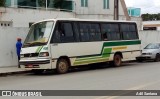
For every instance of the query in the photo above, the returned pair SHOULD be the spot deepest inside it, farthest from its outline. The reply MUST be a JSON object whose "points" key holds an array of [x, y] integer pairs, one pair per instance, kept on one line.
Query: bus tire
{"points": [[117, 60], [62, 66]]}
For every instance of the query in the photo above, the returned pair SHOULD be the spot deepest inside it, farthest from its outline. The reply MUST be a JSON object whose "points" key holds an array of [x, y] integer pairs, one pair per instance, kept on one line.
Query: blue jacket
{"points": [[18, 47]]}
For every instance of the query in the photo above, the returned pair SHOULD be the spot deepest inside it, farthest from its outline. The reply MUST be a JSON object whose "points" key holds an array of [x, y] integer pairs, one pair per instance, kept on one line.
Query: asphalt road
{"points": [[130, 76]]}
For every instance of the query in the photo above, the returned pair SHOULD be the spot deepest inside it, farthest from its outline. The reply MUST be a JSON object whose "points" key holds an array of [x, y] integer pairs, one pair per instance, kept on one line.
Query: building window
{"points": [[106, 4], [84, 3]]}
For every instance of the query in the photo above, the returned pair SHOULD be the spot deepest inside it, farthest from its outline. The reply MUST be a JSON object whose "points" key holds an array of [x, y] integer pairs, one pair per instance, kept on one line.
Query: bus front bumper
{"points": [[30, 64]]}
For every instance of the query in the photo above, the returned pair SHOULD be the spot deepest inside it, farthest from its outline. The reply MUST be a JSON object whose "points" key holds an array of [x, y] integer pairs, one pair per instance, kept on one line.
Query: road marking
{"points": [[133, 88]]}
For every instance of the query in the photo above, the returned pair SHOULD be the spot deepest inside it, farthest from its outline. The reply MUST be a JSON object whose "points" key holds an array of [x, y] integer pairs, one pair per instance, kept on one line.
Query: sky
{"points": [[147, 6]]}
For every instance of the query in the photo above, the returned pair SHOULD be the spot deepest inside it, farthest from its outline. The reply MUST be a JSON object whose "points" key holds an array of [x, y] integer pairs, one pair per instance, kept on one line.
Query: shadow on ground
{"points": [[83, 68]]}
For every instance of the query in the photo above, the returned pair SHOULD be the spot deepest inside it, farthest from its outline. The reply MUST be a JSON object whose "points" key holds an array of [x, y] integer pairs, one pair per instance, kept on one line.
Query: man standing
{"points": [[18, 47]]}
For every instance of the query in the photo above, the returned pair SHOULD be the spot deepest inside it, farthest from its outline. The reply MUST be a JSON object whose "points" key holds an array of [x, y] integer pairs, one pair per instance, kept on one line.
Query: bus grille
{"points": [[31, 55]]}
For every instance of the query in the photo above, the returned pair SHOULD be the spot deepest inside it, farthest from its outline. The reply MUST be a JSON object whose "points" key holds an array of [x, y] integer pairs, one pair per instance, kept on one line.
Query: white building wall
{"points": [[8, 39], [21, 17], [94, 7], [95, 10], [138, 20], [158, 28], [152, 23], [149, 37]]}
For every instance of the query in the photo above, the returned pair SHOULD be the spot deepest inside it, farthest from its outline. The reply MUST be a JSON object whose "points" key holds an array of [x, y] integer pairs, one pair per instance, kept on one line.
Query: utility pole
{"points": [[116, 9], [128, 18]]}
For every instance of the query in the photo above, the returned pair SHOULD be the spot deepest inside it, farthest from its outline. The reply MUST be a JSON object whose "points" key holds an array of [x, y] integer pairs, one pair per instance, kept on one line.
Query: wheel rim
{"points": [[62, 66]]}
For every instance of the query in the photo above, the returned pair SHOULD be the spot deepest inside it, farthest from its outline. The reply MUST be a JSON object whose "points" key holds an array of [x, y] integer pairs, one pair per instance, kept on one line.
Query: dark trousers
{"points": [[18, 61]]}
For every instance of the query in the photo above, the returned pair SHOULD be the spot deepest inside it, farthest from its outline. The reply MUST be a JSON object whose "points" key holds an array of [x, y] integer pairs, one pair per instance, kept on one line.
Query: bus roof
{"points": [[77, 19]]}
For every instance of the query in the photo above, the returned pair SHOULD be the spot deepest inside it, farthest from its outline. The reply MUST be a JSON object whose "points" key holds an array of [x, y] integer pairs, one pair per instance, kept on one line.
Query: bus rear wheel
{"points": [[117, 61], [62, 66]]}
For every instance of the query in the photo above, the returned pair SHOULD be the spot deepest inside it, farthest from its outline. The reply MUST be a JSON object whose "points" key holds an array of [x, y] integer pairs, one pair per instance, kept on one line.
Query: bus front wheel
{"points": [[117, 61], [62, 66]]}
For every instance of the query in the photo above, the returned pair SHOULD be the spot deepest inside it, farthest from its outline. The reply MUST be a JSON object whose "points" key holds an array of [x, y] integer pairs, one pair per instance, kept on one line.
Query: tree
{"points": [[158, 16], [150, 17], [145, 17]]}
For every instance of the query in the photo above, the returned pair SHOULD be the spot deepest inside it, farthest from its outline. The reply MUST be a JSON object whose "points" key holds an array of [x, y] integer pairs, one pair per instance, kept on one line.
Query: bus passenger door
{"points": [[62, 40]]}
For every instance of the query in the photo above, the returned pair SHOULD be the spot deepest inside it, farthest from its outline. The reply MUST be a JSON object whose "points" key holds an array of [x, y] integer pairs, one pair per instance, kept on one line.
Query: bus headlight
{"points": [[43, 54]]}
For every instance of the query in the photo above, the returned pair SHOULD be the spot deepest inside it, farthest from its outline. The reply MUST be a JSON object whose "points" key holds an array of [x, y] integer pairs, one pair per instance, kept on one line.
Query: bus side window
{"points": [[129, 31], [114, 31], [61, 30], [133, 31], [111, 30], [66, 31], [76, 31], [84, 32], [105, 34], [95, 34]]}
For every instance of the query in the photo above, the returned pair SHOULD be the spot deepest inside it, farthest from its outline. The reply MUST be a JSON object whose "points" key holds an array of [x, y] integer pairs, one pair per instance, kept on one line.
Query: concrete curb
{"points": [[13, 73]]}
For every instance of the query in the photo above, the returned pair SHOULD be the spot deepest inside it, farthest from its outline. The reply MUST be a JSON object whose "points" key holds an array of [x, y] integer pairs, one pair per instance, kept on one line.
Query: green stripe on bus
{"points": [[104, 57], [86, 58], [122, 43], [90, 61], [107, 44], [105, 52], [39, 49]]}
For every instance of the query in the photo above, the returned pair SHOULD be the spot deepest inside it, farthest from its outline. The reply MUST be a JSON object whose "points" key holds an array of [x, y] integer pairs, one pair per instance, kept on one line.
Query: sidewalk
{"points": [[4, 71]]}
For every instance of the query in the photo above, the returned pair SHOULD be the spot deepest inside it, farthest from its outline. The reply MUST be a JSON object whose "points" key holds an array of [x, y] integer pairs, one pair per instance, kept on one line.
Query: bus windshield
{"points": [[39, 34]]}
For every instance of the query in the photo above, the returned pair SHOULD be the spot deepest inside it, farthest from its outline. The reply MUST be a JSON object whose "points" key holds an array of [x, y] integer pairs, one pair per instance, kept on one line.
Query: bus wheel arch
{"points": [[117, 59], [63, 64], [120, 53]]}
